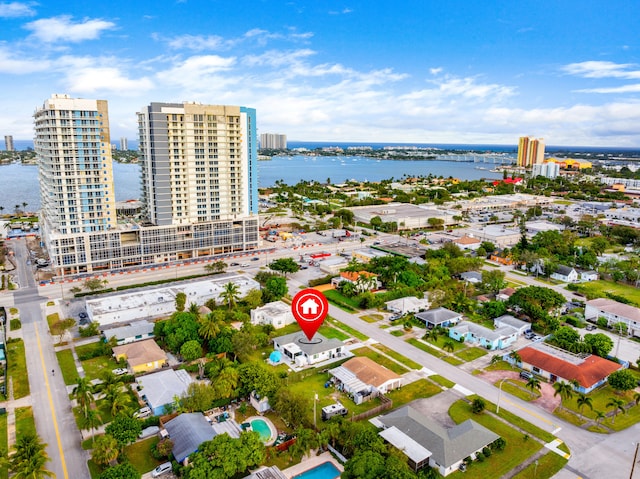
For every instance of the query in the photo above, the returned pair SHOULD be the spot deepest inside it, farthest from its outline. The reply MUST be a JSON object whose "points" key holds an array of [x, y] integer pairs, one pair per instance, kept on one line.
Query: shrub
{"points": [[323, 280], [602, 322], [92, 329], [486, 451], [573, 321], [477, 406], [15, 324], [479, 457]]}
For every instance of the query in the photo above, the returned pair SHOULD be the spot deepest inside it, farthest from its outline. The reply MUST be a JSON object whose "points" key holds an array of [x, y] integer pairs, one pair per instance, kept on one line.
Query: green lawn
{"points": [[442, 381], [501, 366], [67, 366], [598, 289], [600, 398], [457, 345], [398, 357], [94, 367], [88, 348], [518, 389], [338, 299], [517, 449], [398, 333], [52, 318], [371, 318], [348, 329], [521, 423], [94, 469], [139, 455], [25, 423], [4, 444], [415, 390], [548, 466], [330, 332], [17, 368], [434, 352], [471, 353], [380, 359]]}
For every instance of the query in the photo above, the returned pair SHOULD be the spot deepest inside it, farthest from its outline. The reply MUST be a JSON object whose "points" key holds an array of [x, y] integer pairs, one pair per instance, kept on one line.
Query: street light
{"points": [[500, 394]]}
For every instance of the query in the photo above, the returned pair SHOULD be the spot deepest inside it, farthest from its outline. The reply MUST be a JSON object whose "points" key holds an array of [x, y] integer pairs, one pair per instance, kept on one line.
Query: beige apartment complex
{"points": [[530, 151]]}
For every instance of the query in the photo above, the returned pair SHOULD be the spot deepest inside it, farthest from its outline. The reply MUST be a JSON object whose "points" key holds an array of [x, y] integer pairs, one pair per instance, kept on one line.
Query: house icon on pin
{"points": [[309, 307]]}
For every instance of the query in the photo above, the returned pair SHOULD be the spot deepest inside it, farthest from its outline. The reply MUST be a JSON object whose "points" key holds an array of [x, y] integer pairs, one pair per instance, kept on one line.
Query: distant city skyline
{"points": [[401, 72]]}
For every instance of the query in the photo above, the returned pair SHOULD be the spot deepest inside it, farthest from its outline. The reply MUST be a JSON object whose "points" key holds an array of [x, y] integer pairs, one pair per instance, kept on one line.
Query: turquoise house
{"points": [[491, 339]]}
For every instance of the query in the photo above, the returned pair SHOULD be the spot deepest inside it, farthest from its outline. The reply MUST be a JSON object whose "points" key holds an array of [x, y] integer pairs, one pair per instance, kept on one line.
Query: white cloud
{"points": [[435, 71], [635, 88], [16, 9], [63, 29], [200, 42], [602, 69], [9, 63], [106, 80]]}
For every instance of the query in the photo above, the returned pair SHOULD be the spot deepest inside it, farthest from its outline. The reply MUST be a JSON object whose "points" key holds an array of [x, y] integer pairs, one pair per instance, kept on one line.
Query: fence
{"points": [[386, 404]]}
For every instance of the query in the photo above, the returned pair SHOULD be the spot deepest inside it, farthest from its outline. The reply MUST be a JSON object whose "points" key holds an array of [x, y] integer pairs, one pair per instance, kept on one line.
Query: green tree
{"points": [[255, 376], [284, 266], [91, 420], [199, 397], [105, 450], [29, 458], [216, 267], [292, 407], [191, 350], [230, 294], [121, 471], [83, 394], [478, 406], [563, 389], [94, 284], [275, 288], [365, 465], [181, 301], [600, 344], [448, 346], [583, 400], [534, 384], [493, 309], [617, 405], [253, 299], [211, 325], [622, 380], [375, 222], [493, 280], [244, 343], [226, 382], [124, 429], [516, 357]]}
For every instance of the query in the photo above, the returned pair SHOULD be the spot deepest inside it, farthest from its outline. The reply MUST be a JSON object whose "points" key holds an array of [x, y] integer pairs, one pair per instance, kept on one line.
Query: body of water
{"points": [[19, 183]]}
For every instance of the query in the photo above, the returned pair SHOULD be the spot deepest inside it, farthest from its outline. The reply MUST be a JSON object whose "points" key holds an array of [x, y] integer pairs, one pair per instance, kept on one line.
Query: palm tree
{"points": [[211, 325], [516, 357], [83, 394], [226, 382], [448, 346], [433, 335], [29, 458], [563, 389], [230, 294], [120, 402], [105, 450], [534, 384], [599, 416], [636, 398], [584, 400], [617, 405], [91, 420]]}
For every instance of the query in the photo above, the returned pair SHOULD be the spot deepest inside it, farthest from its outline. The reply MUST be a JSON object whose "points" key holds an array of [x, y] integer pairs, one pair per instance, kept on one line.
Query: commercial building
{"points": [[199, 185], [530, 151], [8, 143], [273, 141]]}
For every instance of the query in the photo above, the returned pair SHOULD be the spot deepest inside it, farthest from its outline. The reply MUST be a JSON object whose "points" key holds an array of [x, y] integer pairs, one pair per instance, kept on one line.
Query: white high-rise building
{"points": [[124, 143], [273, 141], [199, 178], [8, 143]]}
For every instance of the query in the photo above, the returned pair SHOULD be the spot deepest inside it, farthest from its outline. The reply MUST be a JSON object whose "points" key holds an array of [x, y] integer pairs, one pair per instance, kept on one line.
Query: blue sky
{"points": [[421, 71]]}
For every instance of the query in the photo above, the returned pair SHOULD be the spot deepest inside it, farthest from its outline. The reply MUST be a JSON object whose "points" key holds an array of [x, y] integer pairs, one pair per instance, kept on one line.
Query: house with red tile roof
{"points": [[555, 364], [364, 280]]}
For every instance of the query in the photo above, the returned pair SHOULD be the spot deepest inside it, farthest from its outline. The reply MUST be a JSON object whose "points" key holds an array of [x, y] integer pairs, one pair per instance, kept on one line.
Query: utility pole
{"points": [[633, 465]]}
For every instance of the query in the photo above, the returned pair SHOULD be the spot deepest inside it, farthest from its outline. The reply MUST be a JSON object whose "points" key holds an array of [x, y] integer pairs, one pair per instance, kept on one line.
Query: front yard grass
{"points": [[517, 449], [600, 397], [94, 367], [25, 424], [501, 366], [548, 466], [339, 300], [371, 318], [471, 353], [52, 319], [380, 359], [348, 329], [139, 455], [442, 381], [67, 366], [329, 331], [17, 368], [599, 289], [518, 389], [397, 356], [434, 352], [415, 390], [4, 445]]}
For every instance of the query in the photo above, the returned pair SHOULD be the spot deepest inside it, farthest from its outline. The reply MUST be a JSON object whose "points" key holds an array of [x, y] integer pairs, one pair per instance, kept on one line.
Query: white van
{"points": [[161, 469], [143, 412]]}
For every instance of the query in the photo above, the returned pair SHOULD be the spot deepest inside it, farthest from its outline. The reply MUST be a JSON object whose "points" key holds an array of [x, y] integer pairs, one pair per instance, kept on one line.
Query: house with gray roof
{"points": [[508, 320], [498, 338], [130, 333], [187, 432], [439, 317], [566, 274], [159, 389], [302, 351], [473, 277], [277, 314], [408, 304], [614, 312], [425, 442]]}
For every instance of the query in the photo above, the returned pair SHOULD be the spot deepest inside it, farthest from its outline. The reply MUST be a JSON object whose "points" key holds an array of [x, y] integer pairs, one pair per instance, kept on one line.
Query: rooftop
{"points": [[438, 315], [141, 352], [188, 431], [369, 372], [160, 388], [614, 307], [317, 345]]}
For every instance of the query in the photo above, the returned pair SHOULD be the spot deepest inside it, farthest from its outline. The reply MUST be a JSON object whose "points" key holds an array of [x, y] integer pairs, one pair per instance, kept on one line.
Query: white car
{"points": [[120, 371], [143, 412], [161, 469]]}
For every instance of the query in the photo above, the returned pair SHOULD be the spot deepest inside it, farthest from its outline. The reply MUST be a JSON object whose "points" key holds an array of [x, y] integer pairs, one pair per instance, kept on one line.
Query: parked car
{"points": [[120, 371], [591, 327], [143, 412], [255, 259], [234, 264], [526, 375], [529, 334], [83, 315], [161, 469]]}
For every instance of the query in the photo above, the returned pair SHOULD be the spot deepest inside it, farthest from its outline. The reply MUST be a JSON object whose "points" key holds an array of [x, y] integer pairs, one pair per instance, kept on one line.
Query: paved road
{"points": [[51, 407], [594, 456]]}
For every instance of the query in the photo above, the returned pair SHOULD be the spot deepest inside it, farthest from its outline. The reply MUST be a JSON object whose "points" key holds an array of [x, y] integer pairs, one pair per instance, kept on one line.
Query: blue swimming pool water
{"points": [[262, 428], [326, 470]]}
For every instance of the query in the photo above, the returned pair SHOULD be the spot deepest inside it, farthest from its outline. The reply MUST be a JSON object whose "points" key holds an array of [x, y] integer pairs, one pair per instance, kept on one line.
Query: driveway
{"points": [[437, 407]]}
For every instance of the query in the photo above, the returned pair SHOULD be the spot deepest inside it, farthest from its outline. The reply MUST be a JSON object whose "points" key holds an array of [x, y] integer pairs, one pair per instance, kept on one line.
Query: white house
{"points": [[614, 312], [589, 276], [303, 352], [566, 274], [361, 376], [408, 304], [508, 320], [277, 314], [135, 331]]}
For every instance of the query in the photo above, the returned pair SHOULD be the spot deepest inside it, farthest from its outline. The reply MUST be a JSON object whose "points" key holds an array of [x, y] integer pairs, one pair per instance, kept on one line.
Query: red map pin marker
{"points": [[309, 307]]}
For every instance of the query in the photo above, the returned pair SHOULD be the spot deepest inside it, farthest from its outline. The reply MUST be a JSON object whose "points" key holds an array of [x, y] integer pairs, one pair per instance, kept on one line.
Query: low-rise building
{"points": [[468, 243], [491, 339], [363, 280], [473, 277], [408, 304], [439, 317], [614, 312], [361, 376], [500, 236], [159, 389], [277, 314], [141, 356], [136, 331], [303, 352], [508, 320]]}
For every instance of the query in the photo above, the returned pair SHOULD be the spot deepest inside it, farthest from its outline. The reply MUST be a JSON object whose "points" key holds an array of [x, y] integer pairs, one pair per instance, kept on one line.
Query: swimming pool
{"points": [[262, 428], [326, 470]]}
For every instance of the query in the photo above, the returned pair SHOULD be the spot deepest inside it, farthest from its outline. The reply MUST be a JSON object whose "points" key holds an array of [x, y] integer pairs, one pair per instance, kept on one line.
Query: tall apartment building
{"points": [[8, 143], [530, 151], [273, 141], [199, 185], [124, 143]]}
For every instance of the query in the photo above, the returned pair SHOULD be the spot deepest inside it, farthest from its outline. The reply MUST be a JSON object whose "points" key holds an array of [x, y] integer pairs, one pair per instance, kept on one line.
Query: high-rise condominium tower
{"points": [[73, 152], [8, 143], [273, 141], [198, 162], [530, 151], [124, 144]]}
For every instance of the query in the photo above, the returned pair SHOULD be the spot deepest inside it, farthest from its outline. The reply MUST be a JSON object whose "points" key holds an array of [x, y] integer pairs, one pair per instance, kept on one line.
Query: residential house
{"points": [[361, 376], [141, 356], [363, 280], [159, 389], [367, 254], [303, 352], [555, 364], [277, 314], [468, 243], [473, 277], [427, 443], [492, 339], [508, 320], [505, 294], [271, 472], [439, 317], [588, 275], [135, 331], [614, 312], [408, 304], [566, 274]]}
